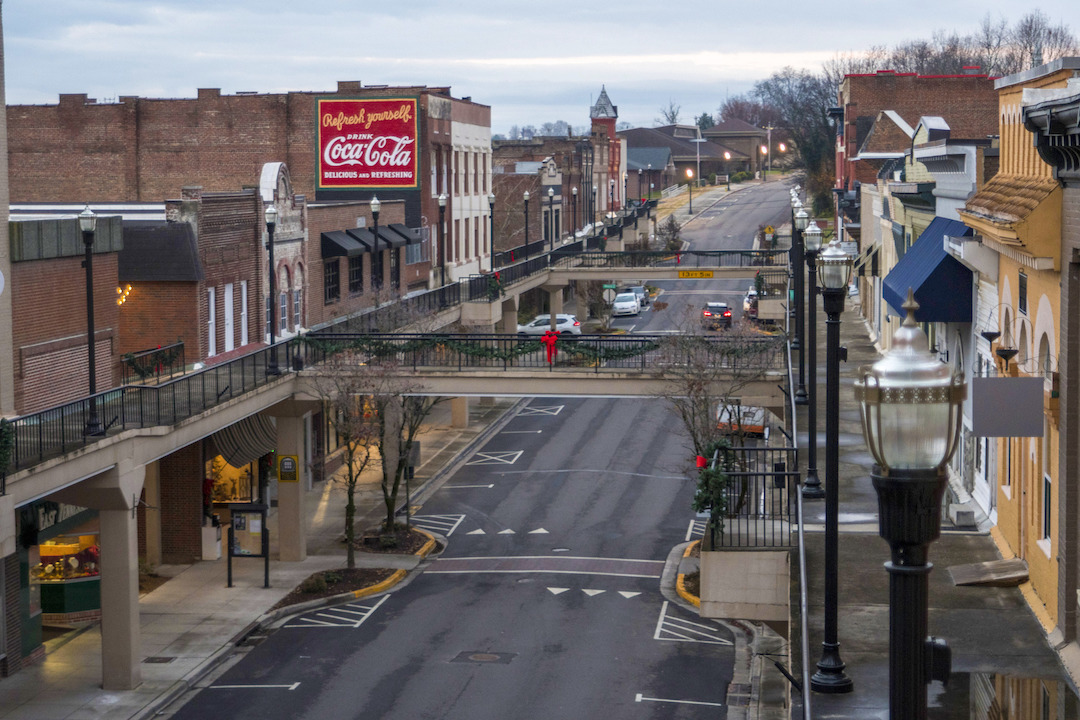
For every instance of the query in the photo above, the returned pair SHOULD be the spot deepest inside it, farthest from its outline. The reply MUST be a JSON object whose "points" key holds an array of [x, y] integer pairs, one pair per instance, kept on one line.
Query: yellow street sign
{"points": [[694, 274], [769, 230]]}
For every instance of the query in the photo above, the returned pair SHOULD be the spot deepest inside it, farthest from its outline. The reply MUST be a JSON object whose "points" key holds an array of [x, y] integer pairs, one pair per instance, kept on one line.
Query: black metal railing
{"points": [[665, 259], [641, 353], [762, 482], [152, 365]]}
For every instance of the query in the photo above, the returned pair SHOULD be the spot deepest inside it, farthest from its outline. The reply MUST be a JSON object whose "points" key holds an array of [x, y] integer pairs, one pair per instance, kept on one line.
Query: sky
{"points": [[531, 62]]}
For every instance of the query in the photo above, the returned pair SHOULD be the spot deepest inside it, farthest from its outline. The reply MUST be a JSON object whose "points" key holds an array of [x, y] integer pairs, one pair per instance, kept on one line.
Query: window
{"points": [[211, 323], [377, 270], [230, 334], [1021, 295], [283, 311], [415, 252], [331, 291], [356, 274], [1046, 508], [395, 268], [243, 313], [269, 311], [296, 309]]}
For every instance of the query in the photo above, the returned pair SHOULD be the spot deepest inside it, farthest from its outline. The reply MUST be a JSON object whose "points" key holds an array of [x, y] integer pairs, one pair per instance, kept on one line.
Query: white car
{"points": [[625, 303], [540, 324]]}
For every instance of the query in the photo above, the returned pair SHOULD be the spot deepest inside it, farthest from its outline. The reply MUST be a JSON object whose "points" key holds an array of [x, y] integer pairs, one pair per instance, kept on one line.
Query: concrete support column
{"points": [[555, 302], [509, 323], [120, 633], [459, 412], [292, 517], [152, 514]]}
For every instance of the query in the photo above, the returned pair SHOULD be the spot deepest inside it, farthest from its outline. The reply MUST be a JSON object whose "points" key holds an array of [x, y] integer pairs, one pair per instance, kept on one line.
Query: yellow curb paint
{"points": [[428, 546], [1037, 606], [690, 548], [380, 586], [1002, 543], [680, 582]]}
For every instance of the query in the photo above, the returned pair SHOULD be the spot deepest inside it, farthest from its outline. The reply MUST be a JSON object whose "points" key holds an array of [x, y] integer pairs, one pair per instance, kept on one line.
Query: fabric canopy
{"points": [[942, 284], [340, 244], [246, 441]]}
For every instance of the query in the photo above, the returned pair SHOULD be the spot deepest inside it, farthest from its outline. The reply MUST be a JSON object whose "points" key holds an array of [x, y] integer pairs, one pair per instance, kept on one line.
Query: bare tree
{"points": [[1036, 41], [669, 115], [749, 110], [598, 306]]}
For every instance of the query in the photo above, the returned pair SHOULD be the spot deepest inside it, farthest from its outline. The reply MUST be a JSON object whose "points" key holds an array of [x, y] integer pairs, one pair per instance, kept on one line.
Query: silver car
{"points": [[540, 324], [625, 303]]}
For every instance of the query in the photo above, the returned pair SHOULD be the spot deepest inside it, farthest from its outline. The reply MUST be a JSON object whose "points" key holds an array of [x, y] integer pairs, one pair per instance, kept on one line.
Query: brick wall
{"points": [[49, 331], [12, 617], [181, 505], [160, 313]]}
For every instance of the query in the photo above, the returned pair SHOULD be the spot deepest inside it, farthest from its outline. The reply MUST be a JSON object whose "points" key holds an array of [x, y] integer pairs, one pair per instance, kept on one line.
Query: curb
{"points": [[680, 582]]}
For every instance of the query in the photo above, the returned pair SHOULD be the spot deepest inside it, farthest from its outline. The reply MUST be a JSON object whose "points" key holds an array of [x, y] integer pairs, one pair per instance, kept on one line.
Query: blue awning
{"points": [[941, 283]]}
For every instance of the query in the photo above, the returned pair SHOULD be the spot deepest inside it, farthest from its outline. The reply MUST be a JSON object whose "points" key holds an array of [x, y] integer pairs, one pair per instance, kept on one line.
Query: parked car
{"points": [[639, 291], [750, 304], [540, 324], [741, 420], [716, 316], [626, 303]]}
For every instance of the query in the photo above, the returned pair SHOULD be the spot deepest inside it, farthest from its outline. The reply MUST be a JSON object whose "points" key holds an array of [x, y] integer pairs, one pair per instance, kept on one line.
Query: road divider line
{"points": [[642, 698]]}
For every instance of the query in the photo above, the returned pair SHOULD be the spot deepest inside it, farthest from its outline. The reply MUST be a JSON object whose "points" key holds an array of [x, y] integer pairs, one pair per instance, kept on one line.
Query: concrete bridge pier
{"points": [[114, 493], [292, 418], [459, 412], [508, 323]]}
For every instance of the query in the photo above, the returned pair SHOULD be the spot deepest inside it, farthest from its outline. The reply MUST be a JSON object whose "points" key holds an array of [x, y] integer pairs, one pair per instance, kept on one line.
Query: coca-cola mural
{"points": [[367, 144]]}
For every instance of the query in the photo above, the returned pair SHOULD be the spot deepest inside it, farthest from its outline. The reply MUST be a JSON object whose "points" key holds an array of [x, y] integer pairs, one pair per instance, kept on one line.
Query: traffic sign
{"points": [[609, 294], [694, 274], [609, 286], [769, 230]]}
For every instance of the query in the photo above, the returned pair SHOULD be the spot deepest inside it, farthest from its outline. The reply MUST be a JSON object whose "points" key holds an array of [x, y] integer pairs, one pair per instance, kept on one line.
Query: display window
{"points": [[67, 557], [228, 484]]}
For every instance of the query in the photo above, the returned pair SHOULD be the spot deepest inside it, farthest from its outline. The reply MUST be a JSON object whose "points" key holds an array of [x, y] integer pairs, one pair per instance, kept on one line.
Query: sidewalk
{"points": [[193, 621], [991, 630]]}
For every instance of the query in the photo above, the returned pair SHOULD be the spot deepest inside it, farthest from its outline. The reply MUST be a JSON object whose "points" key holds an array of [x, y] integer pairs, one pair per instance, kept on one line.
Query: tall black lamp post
{"points": [[799, 221], [573, 203], [910, 405], [88, 225], [812, 485], [640, 196], [376, 206], [551, 218], [270, 216], [526, 198], [442, 239], [491, 240], [690, 188], [727, 170], [592, 213], [834, 270]]}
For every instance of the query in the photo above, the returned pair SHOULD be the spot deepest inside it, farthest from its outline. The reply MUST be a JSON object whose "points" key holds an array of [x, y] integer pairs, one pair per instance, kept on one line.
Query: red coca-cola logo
{"points": [[367, 143]]}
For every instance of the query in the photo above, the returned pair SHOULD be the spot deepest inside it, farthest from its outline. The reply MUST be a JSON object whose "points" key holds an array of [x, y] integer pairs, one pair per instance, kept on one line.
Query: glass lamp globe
{"points": [[801, 218], [834, 267], [910, 402], [812, 237]]}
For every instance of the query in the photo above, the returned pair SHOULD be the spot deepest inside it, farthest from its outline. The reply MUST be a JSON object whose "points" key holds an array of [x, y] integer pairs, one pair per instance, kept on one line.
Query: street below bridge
{"points": [[548, 600]]}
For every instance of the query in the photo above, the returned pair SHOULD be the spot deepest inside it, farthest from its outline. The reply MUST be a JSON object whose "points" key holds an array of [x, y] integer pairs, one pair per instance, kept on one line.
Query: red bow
{"points": [[549, 339]]}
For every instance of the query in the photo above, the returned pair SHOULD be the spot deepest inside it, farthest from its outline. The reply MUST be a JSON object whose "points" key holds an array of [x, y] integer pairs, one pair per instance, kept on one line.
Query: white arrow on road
{"points": [[538, 531], [557, 591], [592, 593], [627, 594]]}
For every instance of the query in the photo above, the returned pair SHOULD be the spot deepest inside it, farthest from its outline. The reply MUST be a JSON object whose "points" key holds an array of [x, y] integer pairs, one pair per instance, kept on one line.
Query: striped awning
{"points": [[246, 441]]}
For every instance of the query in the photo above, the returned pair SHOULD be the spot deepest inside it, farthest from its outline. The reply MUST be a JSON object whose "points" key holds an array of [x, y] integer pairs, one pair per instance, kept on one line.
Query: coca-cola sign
{"points": [[367, 144]]}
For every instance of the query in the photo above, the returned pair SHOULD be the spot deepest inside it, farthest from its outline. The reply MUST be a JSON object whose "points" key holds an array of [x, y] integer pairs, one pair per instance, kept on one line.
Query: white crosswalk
{"points": [[496, 458], [533, 411], [444, 525], [672, 627], [351, 615]]}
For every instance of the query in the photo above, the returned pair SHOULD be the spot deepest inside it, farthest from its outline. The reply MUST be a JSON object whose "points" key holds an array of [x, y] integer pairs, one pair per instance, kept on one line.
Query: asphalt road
{"points": [[547, 601]]}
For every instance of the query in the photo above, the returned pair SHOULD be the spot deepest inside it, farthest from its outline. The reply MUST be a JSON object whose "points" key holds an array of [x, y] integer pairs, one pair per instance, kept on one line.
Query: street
{"points": [[547, 601]]}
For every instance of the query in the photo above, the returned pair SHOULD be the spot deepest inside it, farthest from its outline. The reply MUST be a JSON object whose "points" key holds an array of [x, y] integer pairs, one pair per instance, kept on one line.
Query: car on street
{"points": [[745, 420], [750, 304], [716, 316], [639, 291], [625, 303], [564, 324]]}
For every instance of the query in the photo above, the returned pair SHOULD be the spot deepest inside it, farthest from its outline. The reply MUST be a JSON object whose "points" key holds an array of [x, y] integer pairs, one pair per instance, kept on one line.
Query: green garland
{"points": [[7, 444], [146, 366]]}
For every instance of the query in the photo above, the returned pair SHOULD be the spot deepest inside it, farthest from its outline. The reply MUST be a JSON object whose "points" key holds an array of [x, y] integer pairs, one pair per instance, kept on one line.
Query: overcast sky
{"points": [[532, 62]]}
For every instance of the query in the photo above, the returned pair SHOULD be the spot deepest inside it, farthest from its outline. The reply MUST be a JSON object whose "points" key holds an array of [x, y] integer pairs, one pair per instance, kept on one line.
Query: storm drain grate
{"points": [[484, 658], [159, 659]]}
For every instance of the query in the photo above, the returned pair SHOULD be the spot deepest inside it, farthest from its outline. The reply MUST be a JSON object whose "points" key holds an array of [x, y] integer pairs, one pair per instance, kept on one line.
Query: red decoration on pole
{"points": [[678, 258], [701, 462], [549, 339]]}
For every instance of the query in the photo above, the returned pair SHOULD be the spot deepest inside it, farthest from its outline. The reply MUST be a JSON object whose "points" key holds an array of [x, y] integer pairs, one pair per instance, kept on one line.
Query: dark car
{"points": [[716, 316]]}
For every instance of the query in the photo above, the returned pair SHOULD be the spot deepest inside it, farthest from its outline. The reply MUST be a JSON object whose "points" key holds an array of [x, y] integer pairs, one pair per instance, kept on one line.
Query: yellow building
{"points": [[1017, 215]]}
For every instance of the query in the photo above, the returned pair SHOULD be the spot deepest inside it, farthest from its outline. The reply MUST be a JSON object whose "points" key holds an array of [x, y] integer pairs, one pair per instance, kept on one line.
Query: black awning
{"points": [[388, 238], [362, 236], [340, 244], [411, 236]]}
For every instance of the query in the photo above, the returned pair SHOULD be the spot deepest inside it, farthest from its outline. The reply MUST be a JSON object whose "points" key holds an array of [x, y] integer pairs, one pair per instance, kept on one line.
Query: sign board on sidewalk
{"points": [[694, 274]]}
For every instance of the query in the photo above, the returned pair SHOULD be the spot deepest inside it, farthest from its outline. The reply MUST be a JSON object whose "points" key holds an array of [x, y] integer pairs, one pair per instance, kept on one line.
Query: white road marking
{"points": [[557, 591], [627, 594], [351, 615], [522, 432], [549, 410], [507, 531], [476, 532], [247, 687], [592, 593], [675, 629], [539, 531], [593, 470], [496, 458], [442, 524], [460, 487], [695, 529], [639, 698]]}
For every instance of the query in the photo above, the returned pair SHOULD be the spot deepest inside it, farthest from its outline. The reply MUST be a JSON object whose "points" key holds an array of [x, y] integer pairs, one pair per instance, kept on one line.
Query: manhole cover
{"points": [[159, 659], [484, 658]]}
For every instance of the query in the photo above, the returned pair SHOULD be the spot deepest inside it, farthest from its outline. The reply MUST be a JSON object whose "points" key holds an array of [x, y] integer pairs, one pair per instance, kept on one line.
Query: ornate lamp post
{"points": [[835, 272], [491, 240], [727, 170], [799, 221], [650, 181], [375, 207], [639, 172], [910, 405], [551, 218], [526, 197], [88, 225], [690, 188], [592, 214], [573, 202], [270, 216], [812, 485], [442, 239]]}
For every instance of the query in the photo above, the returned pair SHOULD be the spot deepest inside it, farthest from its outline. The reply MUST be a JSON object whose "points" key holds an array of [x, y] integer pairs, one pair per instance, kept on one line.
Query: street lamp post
{"points": [[727, 170], [270, 216], [442, 239], [491, 240], [650, 181], [765, 157], [835, 273], [690, 188], [812, 243], [625, 182], [375, 207], [551, 219], [910, 407], [799, 222], [592, 214], [611, 198], [573, 203], [526, 198], [639, 173], [88, 225], [697, 148]]}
